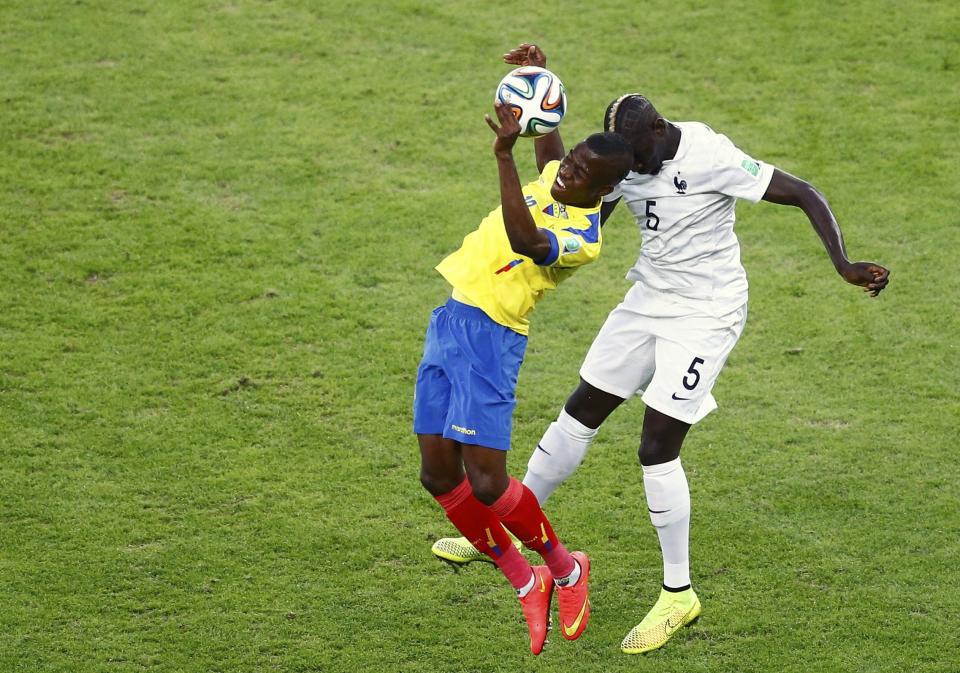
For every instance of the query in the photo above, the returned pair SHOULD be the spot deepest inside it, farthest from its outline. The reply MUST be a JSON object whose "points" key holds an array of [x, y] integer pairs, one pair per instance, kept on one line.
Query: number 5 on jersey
{"points": [[653, 220]]}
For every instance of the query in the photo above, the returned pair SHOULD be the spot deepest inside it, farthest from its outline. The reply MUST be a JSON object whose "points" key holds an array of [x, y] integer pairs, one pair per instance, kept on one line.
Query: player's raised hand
{"points": [[871, 277], [526, 54], [507, 132]]}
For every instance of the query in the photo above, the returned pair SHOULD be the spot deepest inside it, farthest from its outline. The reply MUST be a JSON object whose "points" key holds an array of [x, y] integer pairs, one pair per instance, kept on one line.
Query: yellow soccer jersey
{"points": [[487, 273]]}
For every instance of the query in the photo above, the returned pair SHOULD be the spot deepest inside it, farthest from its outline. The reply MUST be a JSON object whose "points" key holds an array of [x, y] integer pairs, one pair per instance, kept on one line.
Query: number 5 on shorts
{"points": [[696, 374]]}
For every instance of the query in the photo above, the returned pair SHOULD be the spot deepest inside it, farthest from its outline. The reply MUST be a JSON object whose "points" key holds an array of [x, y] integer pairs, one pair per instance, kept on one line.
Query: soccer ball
{"points": [[537, 98]]}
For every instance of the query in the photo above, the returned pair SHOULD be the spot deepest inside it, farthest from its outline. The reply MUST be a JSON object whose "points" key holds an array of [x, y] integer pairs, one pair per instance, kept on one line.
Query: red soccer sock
{"points": [[485, 532], [520, 512]]}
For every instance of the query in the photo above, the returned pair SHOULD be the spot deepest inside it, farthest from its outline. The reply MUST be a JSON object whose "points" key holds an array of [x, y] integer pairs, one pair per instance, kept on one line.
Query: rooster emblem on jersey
{"points": [[681, 185]]}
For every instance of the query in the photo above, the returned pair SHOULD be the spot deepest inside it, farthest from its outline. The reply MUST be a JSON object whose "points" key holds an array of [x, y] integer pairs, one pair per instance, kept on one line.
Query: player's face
{"points": [[644, 155], [581, 178], [648, 148]]}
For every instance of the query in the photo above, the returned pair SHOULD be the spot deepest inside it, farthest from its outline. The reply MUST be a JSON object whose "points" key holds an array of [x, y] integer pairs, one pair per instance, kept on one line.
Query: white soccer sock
{"points": [[528, 587], [668, 501], [570, 579], [560, 451]]}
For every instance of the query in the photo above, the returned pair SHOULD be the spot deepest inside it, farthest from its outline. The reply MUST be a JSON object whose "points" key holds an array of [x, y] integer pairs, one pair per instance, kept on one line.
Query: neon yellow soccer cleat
{"points": [[671, 612], [459, 550]]}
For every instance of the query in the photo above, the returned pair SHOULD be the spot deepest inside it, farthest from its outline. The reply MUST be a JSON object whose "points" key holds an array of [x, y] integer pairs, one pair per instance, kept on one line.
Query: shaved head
{"points": [[630, 114], [653, 139]]}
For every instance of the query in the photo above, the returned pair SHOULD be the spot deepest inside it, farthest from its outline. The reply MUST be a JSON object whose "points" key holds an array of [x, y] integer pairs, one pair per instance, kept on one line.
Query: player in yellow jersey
{"points": [[464, 398]]}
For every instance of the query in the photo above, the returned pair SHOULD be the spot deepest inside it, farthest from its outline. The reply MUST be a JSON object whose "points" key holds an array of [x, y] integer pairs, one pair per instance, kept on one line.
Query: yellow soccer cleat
{"points": [[671, 612], [459, 550]]}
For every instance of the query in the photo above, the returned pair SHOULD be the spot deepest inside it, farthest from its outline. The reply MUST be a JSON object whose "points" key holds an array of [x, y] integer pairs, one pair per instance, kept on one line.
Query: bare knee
{"points": [[487, 470], [487, 488], [581, 409], [438, 484], [590, 405], [653, 452], [441, 468], [661, 438]]}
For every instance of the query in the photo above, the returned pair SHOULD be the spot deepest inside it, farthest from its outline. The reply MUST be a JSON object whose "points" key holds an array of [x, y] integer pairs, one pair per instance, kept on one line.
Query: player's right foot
{"points": [[575, 601], [536, 607], [459, 550], [671, 611]]}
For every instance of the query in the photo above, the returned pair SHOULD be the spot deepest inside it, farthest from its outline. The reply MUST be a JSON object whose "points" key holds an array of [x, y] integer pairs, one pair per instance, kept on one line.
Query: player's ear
{"points": [[659, 126], [606, 189]]}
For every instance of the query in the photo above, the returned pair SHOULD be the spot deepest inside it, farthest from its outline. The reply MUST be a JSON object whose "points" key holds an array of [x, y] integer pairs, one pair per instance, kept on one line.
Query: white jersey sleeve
{"points": [[737, 174]]}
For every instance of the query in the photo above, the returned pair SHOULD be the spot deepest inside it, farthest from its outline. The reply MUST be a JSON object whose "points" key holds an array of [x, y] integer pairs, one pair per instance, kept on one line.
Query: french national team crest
{"points": [[681, 185]]}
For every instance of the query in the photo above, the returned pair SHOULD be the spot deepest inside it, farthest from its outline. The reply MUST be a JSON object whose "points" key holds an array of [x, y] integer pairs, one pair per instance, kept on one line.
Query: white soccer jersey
{"points": [[686, 216]]}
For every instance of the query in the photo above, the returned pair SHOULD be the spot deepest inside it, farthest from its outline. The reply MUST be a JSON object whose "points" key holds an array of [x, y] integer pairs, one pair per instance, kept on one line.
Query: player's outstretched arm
{"points": [[788, 190], [524, 235], [548, 147]]}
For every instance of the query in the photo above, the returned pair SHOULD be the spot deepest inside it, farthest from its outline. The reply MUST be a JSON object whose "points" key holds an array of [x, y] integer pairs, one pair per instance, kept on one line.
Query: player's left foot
{"points": [[671, 611], [458, 550], [536, 607], [575, 601]]}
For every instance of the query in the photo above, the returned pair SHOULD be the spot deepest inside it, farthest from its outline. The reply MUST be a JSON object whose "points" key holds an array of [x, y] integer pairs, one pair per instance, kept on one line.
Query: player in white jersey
{"points": [[671, 335]]}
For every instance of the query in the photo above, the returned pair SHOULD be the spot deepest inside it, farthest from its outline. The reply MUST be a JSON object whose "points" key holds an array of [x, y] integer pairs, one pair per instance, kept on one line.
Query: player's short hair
{"points": [[630, 113], [616, 150]]}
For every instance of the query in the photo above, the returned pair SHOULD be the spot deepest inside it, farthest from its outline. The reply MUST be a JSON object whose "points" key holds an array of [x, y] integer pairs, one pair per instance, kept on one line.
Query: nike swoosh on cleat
{"points": [[570, 630], [657, 511], [672, 628], [544, 450]]}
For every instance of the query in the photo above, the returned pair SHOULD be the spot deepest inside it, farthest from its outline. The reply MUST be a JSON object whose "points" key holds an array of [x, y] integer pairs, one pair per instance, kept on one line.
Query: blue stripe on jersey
{"points": [[592, 233], [554, 249]]}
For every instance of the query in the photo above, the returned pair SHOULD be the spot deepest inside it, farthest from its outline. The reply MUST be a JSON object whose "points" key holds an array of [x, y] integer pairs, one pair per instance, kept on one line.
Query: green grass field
{"points": [[218, 227]]}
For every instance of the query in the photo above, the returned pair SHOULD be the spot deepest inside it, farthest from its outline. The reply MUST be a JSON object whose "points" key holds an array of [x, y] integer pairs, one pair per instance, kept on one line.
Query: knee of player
{"points": [[581, 410], [654, 452], [438, 484], [590, 406], [487, 488]]}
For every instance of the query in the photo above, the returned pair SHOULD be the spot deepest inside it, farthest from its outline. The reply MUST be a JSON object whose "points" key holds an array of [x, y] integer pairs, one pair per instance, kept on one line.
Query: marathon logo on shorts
{"points": [[463, 431], [751, 167], [571, 245]]}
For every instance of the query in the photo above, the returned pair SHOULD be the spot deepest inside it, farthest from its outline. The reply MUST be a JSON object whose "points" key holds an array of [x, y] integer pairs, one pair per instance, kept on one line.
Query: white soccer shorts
{"points": [[664, 350]]}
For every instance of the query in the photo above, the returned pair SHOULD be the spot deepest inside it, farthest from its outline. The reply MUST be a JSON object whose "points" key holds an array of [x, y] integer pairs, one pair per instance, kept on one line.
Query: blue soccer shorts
{"points": [[467, 379]]}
